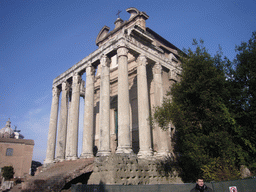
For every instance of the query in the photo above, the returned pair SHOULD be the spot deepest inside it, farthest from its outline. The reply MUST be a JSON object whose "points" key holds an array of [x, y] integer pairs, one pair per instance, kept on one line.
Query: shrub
{"points": [[8, 172]]}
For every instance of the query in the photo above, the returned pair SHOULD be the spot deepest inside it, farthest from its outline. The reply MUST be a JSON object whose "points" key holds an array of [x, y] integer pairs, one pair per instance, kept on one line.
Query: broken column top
{"points": [[136, 18]]}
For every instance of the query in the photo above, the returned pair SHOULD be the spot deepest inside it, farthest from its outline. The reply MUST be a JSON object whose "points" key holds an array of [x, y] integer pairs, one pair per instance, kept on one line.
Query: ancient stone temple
{"points": [[126, 77]]}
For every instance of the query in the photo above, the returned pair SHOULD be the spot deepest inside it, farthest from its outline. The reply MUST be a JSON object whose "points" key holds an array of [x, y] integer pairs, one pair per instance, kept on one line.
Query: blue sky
{"points": [[40, 39]]}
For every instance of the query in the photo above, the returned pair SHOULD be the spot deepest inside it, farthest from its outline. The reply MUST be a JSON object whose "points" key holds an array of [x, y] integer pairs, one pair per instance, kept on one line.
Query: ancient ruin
{"points": [[126, 77]]}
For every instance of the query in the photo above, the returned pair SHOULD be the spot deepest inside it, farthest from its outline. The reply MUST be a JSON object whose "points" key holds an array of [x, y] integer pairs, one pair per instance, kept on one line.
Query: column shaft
{"points": [[62, 131], [162, 142], [143, 109], [124, 143], [74, 117], [68, 139], [87, 149], [51, 142], [104, 126]]}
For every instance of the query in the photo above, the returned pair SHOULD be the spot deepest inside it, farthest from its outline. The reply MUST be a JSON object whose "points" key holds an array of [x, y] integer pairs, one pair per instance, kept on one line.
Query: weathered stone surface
{"points": [[62, 130], [135, 69], [124, 142], [72, 139], [104, 144], [54, 177], [158, 99], [143, 109], [245, 172], [51, 142], [124, 170], [87, 151]]}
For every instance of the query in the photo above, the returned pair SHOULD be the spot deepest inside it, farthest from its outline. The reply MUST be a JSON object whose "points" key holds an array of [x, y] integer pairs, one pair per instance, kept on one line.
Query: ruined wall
{"points": [[123, 170]]}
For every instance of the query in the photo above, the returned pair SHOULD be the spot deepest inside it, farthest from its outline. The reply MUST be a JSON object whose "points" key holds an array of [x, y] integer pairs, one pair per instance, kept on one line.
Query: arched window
{"points": [[9, 151]]}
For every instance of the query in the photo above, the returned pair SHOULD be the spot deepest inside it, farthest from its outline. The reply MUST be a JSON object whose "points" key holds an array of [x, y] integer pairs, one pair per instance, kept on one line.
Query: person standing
{"points": [[201, 187]]}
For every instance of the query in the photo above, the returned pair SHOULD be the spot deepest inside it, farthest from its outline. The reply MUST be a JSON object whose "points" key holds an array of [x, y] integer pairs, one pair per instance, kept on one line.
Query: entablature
{"points": [[152, 52]]}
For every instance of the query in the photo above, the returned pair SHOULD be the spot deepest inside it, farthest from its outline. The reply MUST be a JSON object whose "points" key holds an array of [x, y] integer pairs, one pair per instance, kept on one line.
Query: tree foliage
{"points": [[8, 172], [206, 130], [242, 84]]}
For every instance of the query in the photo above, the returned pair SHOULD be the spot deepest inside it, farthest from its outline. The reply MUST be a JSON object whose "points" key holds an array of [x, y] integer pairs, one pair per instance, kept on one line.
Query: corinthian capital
{"points": [[65, 86], [157, 69], [105, 61], [122, 49], [76, 78], [90, 70], [142, 60], [55, 91]]}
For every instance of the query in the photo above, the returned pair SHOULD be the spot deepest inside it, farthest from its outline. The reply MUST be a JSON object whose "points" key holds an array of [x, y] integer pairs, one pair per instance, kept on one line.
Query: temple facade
{"points": [[126, 77]]}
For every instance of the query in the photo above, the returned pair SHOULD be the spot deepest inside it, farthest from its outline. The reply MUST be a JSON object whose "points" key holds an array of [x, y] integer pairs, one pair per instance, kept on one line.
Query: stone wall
{"points": [[124, 170], [21, 156]]}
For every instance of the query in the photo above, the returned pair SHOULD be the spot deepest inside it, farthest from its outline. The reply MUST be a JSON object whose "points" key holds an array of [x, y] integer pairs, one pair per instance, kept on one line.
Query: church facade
{"points": [[126, 77], [15, 151]]}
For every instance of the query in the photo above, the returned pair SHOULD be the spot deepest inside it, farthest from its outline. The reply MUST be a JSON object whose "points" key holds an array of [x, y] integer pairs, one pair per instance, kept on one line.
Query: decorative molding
{"points": [[123, 40]]}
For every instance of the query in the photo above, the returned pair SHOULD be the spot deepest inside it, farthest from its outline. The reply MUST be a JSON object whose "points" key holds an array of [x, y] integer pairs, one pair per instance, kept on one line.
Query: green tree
{"points": [[8, 172], [205, 128], [242, 85]]}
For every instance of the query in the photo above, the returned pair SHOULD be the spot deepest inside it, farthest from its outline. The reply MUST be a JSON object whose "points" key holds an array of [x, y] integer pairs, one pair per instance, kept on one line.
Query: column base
{"points": [[103, 153], [71, 158], [60, 159], [145, 154], [162, 154], [86, 155], [49, 161], [124, 150]]}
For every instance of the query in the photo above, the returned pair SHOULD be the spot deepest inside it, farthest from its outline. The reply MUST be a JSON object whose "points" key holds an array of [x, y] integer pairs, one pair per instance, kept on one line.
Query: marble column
{"points": [[87, 149], [62, 130], [162, 141], [104, 127], [51, 142], [124, 142], [68, 139], [74, 121], [143, 109]]}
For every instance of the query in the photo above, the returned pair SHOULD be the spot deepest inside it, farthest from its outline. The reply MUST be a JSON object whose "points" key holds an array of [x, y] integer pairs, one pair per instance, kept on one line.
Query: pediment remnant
{"points": [[103, 32]]}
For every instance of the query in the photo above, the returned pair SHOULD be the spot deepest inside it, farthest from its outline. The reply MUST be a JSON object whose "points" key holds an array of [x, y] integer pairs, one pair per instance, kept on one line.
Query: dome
{"points": [[7, 131]]}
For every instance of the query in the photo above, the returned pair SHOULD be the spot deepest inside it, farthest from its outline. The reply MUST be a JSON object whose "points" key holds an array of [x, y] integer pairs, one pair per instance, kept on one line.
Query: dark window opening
{"points": [[9, 151]]}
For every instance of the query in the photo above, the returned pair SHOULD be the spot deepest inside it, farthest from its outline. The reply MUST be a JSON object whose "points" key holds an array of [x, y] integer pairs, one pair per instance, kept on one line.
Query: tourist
{"points": [[201, 187]]}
